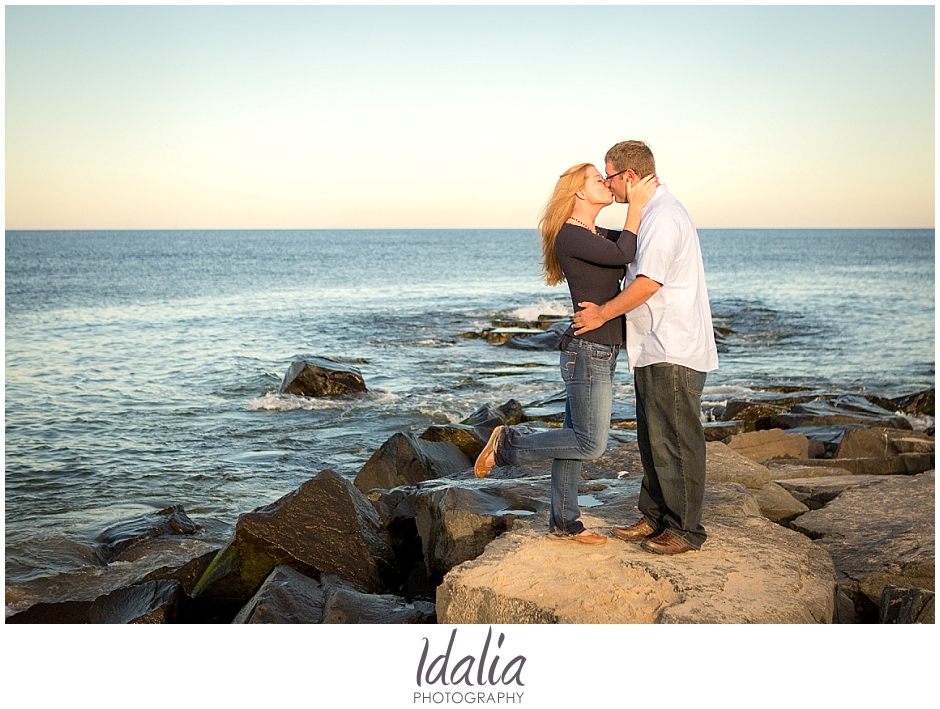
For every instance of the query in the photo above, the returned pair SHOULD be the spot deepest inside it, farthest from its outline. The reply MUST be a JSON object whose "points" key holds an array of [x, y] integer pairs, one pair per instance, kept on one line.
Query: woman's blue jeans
{"points": [[588, 372]]}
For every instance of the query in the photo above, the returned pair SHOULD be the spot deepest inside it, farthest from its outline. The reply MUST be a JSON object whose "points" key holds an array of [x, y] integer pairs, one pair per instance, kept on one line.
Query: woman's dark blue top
{"points": [[594, 267]]}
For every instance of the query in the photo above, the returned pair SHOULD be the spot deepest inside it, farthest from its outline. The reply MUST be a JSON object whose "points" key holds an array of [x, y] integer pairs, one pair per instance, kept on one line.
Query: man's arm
{"points": [[633, 296]]}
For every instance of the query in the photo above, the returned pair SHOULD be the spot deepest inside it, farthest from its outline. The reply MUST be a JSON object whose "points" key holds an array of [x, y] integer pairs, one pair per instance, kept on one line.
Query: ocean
{"points": [[142, 367]]}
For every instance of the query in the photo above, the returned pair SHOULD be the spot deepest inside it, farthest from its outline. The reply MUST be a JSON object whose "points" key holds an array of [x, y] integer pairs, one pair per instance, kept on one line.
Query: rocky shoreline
{"points": [[819, 509]]}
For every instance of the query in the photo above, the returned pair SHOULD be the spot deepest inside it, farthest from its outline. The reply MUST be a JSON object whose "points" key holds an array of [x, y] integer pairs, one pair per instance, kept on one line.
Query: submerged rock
{"points": [[119, 539], [919, 404], [544, 342], [317, 376]]}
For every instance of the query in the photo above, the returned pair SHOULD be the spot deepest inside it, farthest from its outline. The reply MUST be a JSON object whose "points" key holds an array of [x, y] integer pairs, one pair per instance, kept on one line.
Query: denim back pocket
{"points": [[695, 381], [568, 363]]}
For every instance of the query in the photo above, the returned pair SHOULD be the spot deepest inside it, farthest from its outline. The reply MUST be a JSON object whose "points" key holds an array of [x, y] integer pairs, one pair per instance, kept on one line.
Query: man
{"points": [[670, 347]]}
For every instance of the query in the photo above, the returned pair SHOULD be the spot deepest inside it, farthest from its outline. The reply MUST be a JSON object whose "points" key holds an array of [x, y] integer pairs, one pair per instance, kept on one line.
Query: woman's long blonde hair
{"points": [[555, 214]]}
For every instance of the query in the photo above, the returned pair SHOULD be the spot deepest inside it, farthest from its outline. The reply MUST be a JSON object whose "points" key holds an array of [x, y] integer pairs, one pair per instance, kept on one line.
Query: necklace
{"points": [[579, 222]]}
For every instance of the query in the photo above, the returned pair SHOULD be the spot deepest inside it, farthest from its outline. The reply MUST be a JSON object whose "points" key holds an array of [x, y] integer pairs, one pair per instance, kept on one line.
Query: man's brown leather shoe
{"points": [[666, 543], [635, 532]]}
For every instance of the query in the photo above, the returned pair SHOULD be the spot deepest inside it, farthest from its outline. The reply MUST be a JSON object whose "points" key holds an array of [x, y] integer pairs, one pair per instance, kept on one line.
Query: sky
{"points": [[323, 117]]}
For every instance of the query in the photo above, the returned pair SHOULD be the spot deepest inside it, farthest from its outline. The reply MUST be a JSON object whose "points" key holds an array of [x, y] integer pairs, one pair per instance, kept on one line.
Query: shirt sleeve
{"points": [[599, 250], [657, 248]]}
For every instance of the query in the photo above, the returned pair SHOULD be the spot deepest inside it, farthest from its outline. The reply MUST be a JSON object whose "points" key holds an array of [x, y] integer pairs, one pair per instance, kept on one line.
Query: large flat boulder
{"points": [[406, 460], [878, 534], [723, 464], [816, 492], [882, 442], [786, 470], [769, 444], [325, 526], [750, 570], [902, 464], [318, 376]]}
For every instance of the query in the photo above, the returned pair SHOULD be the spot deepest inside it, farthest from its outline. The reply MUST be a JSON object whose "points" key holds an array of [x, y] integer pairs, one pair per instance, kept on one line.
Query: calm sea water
{"points": [[142, 367]]}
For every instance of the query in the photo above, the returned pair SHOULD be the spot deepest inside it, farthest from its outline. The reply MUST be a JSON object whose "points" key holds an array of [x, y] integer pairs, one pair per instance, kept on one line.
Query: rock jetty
{"points": [[827, 517]]}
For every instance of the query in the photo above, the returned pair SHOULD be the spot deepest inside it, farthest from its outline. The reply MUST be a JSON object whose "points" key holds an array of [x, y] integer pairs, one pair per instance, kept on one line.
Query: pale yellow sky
{"points": [[462, 117]]}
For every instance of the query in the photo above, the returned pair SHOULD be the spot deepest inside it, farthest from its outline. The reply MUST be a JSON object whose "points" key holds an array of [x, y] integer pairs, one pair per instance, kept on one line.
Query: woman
{"points": [[592, 260]]}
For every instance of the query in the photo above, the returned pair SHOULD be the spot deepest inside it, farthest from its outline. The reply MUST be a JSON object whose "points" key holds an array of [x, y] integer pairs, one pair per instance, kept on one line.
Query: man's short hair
{"points": [[632, 155]]}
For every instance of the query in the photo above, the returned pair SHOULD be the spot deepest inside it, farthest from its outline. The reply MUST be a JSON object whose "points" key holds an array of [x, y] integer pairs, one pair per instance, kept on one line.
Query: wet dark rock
{"points": [[829, 436], [406, 460], [66, 612], [754, 415], [488, 417], [188, 574], [845, 409], [457, 521], [153, 602], [919, 404], [287, 596], [318, 376], [117, 540], [467, 438], [349, 606], [543, 323], [325, 526], [544, 342], [879, 534], [551, 409], [720, 430], [906, 605], [881, 442], [397, 509], [712, 412]]}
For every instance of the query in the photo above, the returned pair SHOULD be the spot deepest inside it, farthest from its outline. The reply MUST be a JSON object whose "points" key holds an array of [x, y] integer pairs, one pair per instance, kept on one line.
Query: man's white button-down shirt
{"points": [[675, 325]]}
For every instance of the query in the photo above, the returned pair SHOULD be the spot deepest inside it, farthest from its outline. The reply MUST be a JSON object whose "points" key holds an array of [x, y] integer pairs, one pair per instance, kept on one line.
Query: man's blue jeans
{"points": [[588, 372], [672, 448]]}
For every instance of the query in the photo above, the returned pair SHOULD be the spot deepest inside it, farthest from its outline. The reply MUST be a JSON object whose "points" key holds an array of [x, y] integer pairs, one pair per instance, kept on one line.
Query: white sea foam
{"points": [[289, 402], [544, 306]]}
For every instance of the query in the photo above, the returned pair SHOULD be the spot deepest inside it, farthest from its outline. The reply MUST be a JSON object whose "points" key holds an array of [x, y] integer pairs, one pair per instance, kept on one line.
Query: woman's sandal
{"points": [[588, 537], [480, 468]]}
